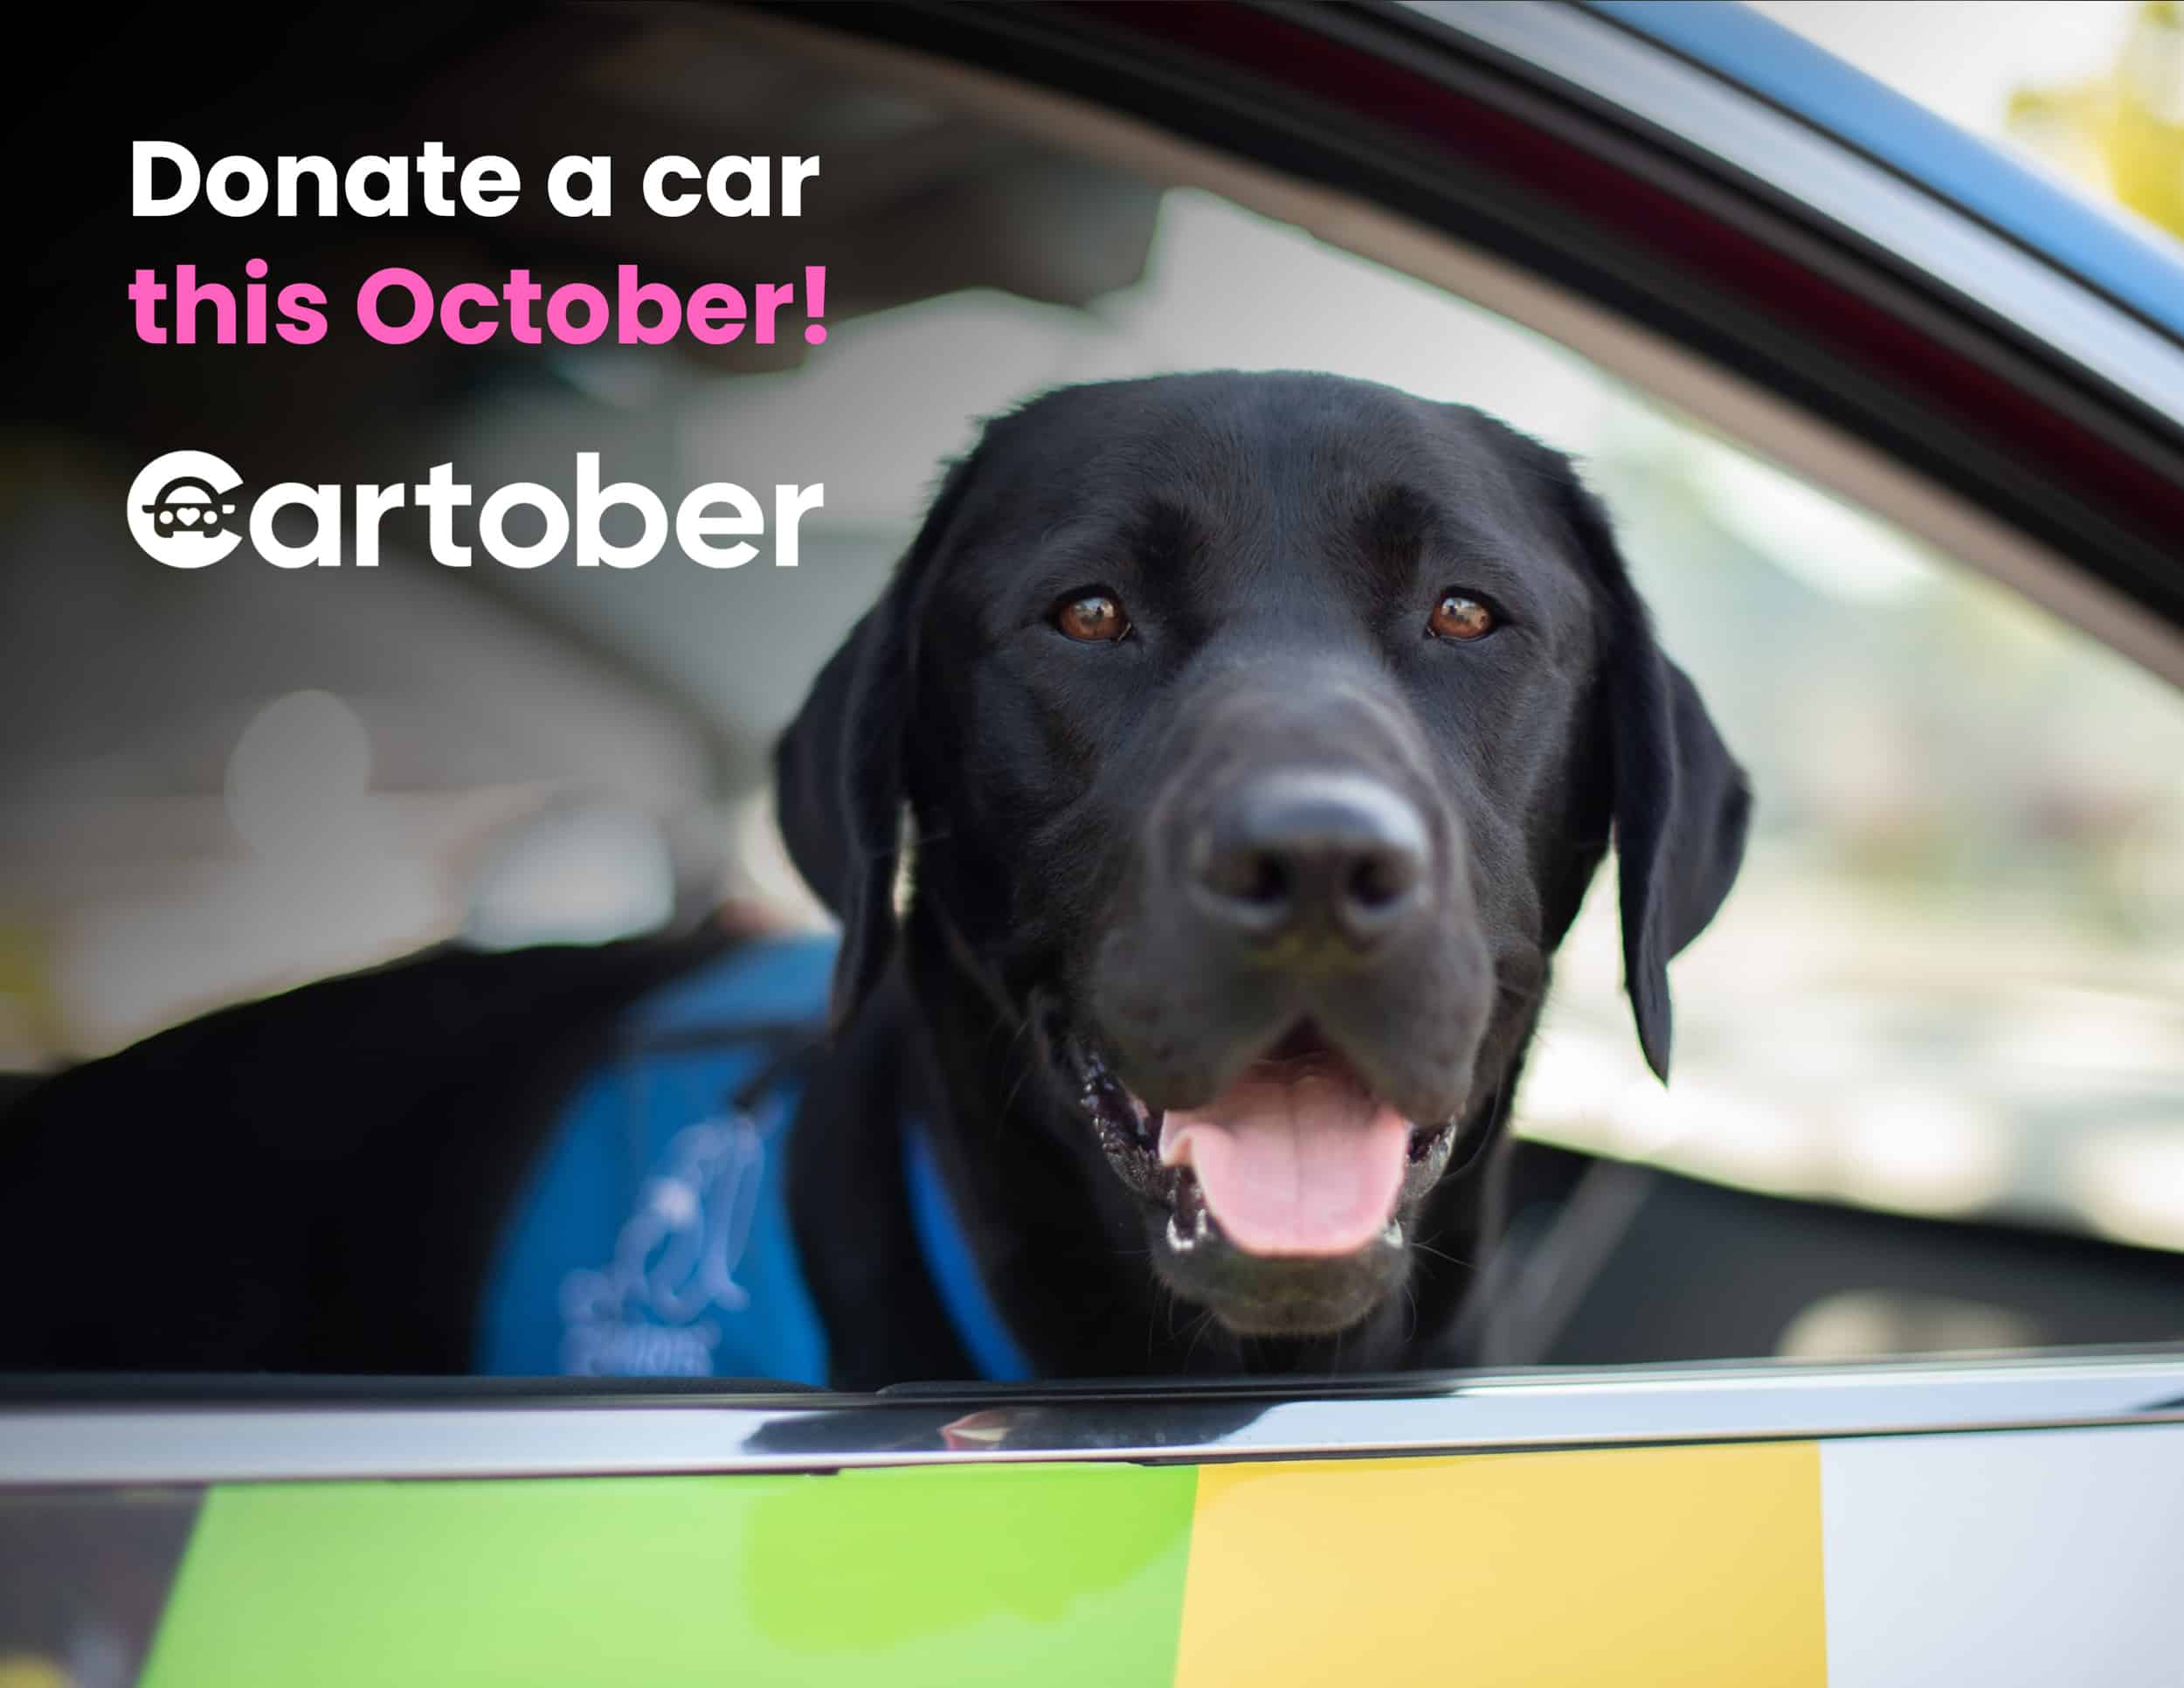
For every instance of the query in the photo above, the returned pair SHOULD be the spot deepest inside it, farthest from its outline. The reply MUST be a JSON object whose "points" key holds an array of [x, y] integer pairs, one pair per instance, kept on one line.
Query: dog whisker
{"points": [[1198, 1334]]}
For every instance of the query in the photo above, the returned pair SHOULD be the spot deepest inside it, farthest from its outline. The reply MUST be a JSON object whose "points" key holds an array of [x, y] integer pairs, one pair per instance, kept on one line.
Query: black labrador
{"points": [[1258, 736]]}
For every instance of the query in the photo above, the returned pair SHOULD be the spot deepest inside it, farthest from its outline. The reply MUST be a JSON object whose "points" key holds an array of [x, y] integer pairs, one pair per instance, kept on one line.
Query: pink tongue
{"points": [[1312, 1166]]}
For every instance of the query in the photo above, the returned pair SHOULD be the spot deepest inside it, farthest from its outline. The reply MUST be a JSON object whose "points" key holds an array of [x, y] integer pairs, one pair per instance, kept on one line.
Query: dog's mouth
{"points": [[1296, 1158]]}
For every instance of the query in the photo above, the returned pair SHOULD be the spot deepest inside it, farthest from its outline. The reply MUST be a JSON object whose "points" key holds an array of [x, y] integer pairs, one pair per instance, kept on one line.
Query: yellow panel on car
{"points": [[1693, 1565]]}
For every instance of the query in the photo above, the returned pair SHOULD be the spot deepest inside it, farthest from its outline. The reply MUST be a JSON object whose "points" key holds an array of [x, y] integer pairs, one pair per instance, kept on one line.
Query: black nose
{"points": [[1313, 857]]}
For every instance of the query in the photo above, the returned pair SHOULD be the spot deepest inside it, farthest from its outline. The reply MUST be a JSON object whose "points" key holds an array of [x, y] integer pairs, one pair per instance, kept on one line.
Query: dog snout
{"points": [[1309, 863]]}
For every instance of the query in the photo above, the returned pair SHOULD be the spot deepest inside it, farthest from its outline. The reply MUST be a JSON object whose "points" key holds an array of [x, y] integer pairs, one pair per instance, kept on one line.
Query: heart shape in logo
{"points": [[188, 515]]}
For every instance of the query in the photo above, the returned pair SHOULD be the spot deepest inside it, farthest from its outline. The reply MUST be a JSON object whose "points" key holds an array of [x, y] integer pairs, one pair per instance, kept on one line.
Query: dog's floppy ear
{"points": [[839, 767], [1681, 804]]}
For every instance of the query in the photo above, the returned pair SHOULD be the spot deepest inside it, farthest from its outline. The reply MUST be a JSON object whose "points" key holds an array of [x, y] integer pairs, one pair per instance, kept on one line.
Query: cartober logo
{"points": [[179, 511], [182, 513]]}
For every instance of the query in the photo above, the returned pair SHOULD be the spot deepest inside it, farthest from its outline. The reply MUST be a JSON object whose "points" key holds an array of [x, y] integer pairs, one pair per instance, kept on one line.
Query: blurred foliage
{"points": [[2121, 132], [30, 1018]]}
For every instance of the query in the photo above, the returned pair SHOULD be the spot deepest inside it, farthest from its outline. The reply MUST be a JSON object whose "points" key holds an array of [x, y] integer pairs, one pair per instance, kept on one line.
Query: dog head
{"points": [[1260, 736]]}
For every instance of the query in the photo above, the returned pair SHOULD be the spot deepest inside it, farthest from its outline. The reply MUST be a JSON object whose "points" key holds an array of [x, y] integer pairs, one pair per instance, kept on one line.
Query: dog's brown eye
{"points": [[1458, 617], [1095, 616]]}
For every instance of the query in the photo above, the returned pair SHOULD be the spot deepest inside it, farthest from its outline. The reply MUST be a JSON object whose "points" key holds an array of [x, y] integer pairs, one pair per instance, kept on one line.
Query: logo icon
{"points": [[179, 511]]}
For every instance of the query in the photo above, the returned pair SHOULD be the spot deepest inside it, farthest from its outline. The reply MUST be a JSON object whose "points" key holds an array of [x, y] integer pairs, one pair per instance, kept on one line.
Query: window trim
{"points": [[947, 52], [623, 1428]]}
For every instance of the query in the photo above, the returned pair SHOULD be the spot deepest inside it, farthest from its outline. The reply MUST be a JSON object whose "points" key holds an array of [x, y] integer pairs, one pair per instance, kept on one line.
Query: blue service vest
{"points": [[651, 1238]]}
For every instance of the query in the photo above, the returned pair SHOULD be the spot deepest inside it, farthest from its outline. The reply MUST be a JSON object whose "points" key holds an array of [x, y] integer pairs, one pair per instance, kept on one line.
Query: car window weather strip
{"points": [[44, 1447], [2135, 267], [1790, 159]]}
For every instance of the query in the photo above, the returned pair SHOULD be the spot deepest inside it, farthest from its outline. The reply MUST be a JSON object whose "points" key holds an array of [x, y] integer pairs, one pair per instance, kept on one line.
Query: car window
{"points": [[1950, 982]]}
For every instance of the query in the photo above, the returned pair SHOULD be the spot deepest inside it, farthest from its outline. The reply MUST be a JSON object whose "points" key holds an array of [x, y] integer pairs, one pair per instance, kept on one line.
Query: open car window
{"points": [[1950, 986]]}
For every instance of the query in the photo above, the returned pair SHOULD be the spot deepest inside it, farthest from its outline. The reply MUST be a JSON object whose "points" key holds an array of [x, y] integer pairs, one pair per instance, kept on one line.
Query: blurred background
{"points": [[1950, 984]]}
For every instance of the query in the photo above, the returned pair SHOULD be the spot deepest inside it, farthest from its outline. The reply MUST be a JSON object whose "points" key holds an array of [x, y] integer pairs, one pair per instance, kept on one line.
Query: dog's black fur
{"points": [[1278, 543], [313, 1182]]}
